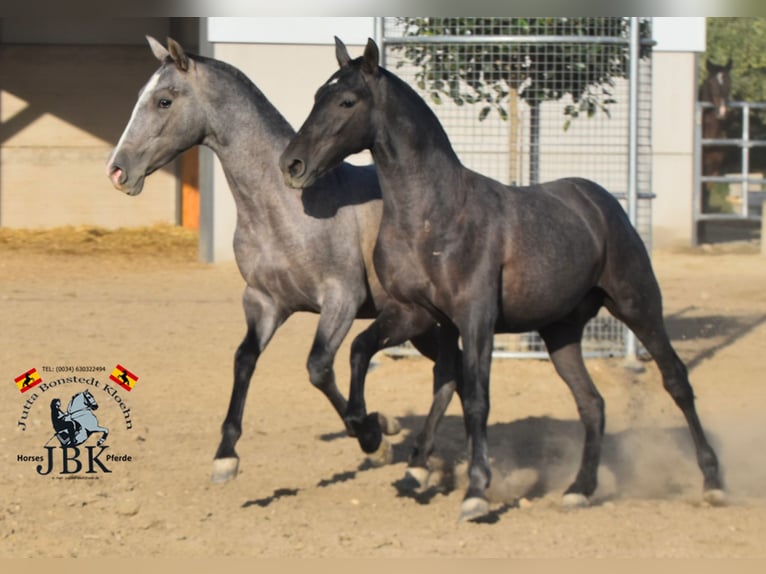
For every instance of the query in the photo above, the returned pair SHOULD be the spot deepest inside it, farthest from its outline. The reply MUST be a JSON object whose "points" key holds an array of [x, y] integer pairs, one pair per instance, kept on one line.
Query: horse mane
{"points": [[421, 111], [274, 119]]}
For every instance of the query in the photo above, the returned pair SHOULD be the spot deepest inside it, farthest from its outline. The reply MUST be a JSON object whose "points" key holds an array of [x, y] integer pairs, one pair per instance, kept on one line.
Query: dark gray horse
{"points": [[296, 252], [715, 89], [483, 257]]}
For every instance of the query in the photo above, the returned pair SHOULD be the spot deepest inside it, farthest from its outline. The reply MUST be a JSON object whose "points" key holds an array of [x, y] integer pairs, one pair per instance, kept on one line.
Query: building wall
{"points": [[673, 98], [62, 110], [67, 89]]}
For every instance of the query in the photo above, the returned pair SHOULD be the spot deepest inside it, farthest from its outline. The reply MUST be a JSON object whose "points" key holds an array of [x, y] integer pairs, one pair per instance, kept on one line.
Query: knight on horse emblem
{"points": [[73, 426]]}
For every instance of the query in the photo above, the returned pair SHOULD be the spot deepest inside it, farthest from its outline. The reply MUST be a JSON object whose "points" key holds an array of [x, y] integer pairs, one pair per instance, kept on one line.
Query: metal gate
{"points": [[519, 142], [732, 206]]}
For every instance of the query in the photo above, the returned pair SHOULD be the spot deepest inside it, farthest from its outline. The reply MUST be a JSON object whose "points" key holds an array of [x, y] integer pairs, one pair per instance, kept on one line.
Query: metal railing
{"points": [[748, 192], [614, 151]]}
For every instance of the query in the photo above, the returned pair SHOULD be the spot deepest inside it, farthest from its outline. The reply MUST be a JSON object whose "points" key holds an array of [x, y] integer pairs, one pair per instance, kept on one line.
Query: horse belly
{"points": [[536, 297]]}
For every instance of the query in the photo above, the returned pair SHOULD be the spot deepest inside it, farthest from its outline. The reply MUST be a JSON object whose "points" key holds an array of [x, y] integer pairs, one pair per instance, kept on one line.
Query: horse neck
{"points": [[417, 165], [247, 134]]}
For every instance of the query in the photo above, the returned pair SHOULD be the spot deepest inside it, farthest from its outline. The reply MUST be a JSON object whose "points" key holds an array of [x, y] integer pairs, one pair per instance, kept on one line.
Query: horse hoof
{"points": [[383, 456], [389, 426], [715, 497], [574, 500], [417, 476], [473, 509], [224, 469]]}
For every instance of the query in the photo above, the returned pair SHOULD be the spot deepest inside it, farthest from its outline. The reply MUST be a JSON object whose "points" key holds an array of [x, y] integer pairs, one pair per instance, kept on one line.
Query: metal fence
{"points": [[520, 140], [735, 198]]}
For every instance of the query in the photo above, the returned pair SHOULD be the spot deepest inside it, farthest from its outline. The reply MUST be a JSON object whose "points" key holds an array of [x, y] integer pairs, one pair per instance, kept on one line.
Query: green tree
{"points": [[744, 41], [545, 68]]}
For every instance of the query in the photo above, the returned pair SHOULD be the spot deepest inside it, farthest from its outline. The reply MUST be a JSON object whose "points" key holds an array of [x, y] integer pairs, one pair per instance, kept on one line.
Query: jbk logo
{"points": [[75, 425], [73, 460], [77, 444]]}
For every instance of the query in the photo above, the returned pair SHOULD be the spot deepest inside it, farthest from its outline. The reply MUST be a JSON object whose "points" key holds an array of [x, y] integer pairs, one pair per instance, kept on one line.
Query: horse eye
{"points": [[164, 103], [347, 103]]}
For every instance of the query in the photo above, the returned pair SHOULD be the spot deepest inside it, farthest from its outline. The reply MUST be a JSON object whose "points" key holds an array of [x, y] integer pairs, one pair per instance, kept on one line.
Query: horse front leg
{"points": [[337, 315], [478, 336], [263, 318], [395, 325]]}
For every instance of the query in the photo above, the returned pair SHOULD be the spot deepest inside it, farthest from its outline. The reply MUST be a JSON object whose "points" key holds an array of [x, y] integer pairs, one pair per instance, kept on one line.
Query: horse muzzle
{"points": [[119, 178]]}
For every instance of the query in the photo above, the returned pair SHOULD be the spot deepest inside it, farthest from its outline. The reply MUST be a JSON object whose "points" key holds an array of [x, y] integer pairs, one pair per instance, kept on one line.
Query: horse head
{"points": [[89, 400], [717, 87], [164, 122], [340, 123]]}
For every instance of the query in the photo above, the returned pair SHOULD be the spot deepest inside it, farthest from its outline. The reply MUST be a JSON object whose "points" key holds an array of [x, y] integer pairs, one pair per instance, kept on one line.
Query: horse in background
{"points": [[716, 90]]}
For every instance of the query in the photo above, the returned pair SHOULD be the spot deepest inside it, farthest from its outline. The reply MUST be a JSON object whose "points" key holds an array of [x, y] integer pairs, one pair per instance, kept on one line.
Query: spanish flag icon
{"points": [[28, 380], [123, 377]]}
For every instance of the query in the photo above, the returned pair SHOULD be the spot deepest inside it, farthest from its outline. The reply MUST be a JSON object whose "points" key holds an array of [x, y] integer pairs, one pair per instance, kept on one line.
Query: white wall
{"points": [[674, 92]]}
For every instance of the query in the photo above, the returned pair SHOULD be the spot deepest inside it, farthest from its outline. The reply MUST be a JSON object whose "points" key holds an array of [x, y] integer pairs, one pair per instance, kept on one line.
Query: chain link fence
{"points": [[531, 100]]}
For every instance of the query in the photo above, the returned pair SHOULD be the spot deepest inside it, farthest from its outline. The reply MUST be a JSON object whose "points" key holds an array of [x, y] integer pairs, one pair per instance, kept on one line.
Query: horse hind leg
{"points": [[104, 435], [641, 310], [440, 345], [563, 341]]}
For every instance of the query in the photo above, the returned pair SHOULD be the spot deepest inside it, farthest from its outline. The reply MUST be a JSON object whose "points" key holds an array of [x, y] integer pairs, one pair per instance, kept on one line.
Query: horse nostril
{"points": [[117, 175], [296, 168]]}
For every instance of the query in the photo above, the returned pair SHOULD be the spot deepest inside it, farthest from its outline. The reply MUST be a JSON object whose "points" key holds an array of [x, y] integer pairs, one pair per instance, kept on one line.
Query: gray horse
{"points": [[297, 251]]}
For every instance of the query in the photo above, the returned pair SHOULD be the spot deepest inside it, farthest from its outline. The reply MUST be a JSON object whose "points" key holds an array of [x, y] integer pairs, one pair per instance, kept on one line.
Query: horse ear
{"points": [[178, 55], [370, 57], [728, 64], [160, 52], [341, 53]]}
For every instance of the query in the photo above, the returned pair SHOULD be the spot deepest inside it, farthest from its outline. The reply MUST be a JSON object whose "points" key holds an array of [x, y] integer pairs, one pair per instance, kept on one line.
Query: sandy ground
{"points": [[304, 489]]}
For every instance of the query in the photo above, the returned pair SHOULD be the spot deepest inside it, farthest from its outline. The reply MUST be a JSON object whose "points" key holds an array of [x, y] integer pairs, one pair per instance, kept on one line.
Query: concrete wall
{"points": [[67, 88], [673, 97], [62, 110]]}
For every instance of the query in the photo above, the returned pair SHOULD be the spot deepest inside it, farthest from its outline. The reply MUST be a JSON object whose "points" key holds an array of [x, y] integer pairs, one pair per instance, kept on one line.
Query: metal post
{"points": [[635, 54], [743, 207], [379, 39]]}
